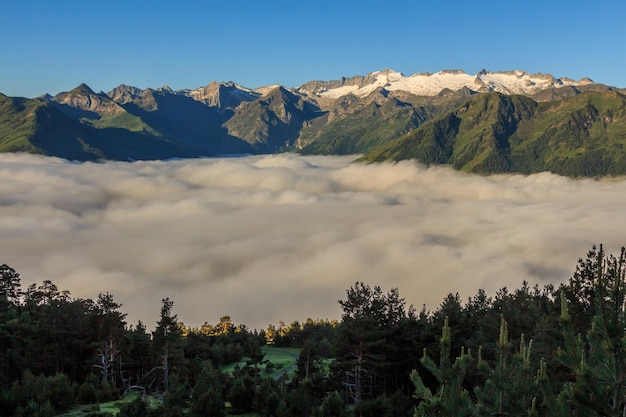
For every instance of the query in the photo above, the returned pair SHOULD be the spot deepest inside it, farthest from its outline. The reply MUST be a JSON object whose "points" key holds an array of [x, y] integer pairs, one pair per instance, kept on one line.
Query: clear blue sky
{"points": [[52, 46]]}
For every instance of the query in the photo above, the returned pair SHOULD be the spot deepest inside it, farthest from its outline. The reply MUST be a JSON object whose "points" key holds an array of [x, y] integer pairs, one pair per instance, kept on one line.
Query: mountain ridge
{"points": [[583, 135], [352, 115], [427, 84]]}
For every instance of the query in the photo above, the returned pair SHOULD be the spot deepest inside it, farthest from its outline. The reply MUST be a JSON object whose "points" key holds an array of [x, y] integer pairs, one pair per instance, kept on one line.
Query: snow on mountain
{"points": [[265, 90], [202, 93], [426, 84]]}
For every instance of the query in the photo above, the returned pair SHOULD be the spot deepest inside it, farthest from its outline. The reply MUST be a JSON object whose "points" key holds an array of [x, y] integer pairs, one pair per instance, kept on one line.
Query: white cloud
{"points": [[282, 237]]}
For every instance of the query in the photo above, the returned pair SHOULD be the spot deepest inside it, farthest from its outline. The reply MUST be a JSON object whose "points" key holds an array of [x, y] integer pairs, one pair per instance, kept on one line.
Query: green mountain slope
{"points": [[43, 127], [582, 135], [360, 125], [17, 123], [36, 126]]}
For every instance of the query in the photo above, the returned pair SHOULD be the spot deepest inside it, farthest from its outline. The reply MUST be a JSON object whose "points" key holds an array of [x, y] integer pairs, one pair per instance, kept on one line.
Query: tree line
{"points": [[531, 351]]}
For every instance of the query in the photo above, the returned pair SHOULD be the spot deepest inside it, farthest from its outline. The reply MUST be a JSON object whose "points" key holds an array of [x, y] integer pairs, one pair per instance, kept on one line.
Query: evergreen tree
{"points": [[110, 332], [509, 388], [137, 360], [9, 287], [451, 398], [9, 313], [167, 341], [135, 408], [241, 394], [208, 404], [598, 361], [256, 358], [207, 395], [332, 406], [373, 343]]}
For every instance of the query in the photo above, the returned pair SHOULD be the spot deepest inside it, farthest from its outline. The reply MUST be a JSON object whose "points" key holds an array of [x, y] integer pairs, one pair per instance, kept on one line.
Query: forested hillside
{"points": [[582, 135], [530, 351]]}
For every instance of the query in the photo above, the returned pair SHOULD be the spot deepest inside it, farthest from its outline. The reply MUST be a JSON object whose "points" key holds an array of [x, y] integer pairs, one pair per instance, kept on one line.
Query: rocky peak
{"points": [[166, 89], [125, 94], [224, 95], [83, 98]]}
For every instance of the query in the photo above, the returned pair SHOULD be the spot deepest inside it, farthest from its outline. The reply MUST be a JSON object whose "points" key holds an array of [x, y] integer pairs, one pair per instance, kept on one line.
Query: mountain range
{"points": [[490, 122]]}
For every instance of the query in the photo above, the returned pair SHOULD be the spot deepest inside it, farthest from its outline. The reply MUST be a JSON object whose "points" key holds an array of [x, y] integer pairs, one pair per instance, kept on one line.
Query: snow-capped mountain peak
{"points": [[427, 84]]}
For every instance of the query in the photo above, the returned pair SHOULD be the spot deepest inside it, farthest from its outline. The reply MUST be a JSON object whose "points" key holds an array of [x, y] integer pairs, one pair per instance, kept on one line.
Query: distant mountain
{"points": [[45, 127], [426, 84], [181, 118], [583, 135], [223, 95], [487, 122], [358, 125], [272, 122]]}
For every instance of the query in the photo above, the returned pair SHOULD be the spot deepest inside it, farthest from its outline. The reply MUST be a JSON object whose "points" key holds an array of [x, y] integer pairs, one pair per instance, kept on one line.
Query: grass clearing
{"points": [[283, 360]]}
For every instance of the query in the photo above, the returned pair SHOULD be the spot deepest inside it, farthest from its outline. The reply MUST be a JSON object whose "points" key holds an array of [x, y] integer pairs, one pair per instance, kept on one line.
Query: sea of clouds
{"points": [[281, 237]]}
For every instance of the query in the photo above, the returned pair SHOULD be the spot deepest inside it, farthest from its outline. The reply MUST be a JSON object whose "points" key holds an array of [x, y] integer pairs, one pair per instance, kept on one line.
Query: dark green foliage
{"points": [[57, 351], [598, 361], [208, 404], [167, 339], [256, 359], [9, 287], [88, 392], [487, 363], [37, 395], [135, 408], [267, 398], [374, 342], [509, 387], [241, 394], [332, 406], [301, 399], [207, 397], [35, 409], [451, 398], [384, 406]]}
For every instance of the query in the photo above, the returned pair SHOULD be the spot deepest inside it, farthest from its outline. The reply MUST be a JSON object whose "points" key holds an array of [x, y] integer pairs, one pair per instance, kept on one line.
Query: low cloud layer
{"points": [[282, 237]]}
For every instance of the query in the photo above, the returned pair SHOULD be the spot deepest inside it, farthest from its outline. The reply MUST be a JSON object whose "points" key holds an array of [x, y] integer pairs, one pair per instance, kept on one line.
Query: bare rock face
{"points": [[83, 98], [223, 95], [317, 87], [125, 94]]}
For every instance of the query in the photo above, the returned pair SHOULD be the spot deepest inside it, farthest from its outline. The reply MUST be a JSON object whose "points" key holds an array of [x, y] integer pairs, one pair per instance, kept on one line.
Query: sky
{"points": [[50, 47], [282, 237]]}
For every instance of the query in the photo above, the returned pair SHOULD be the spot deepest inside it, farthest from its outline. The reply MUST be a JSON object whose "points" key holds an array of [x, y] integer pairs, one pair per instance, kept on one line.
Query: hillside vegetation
{"points": [[583, 135]]}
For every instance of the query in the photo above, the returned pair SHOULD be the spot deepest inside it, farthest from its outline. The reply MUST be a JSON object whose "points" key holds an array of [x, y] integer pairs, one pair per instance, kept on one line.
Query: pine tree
{"points": [[9, 303], [167, 339], [451, 399], [598, 361], [509, 388]]}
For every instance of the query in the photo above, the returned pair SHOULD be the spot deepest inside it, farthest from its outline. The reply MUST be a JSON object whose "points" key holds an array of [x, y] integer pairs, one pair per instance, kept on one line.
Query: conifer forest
{"points": [[557, 350]]}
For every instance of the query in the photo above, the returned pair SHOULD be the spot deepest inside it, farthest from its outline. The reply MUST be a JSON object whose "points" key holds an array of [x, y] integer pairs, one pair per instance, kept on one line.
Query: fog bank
{"points": [[281, 237]]}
